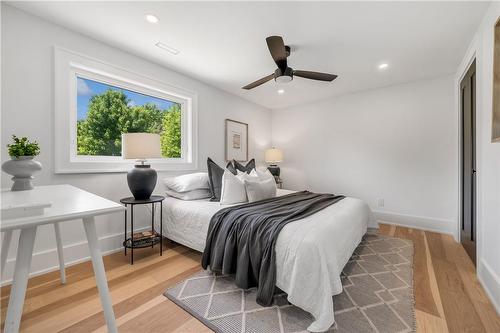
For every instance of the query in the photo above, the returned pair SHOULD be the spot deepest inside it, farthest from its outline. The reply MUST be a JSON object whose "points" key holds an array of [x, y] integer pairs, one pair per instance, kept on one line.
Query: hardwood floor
{"points": [[448, 296]]}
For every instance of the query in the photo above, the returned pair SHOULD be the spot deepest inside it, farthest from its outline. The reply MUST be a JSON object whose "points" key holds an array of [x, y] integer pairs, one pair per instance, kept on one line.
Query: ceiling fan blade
{"points": [[258, 82], [278, 52], [315, 75]]}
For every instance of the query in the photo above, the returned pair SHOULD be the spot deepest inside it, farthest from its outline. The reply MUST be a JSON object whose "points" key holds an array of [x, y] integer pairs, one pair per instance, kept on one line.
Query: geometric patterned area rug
{"points": [[377, 296]]}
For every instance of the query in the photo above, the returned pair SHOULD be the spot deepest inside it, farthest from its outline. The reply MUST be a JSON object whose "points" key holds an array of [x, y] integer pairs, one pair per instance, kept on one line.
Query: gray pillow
{"points": [[231, 168], [215, 173], [245, 168], [260, 190]]}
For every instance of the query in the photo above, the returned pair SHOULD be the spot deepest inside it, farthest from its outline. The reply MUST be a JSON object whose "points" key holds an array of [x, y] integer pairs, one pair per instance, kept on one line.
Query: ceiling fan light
{"points": [[151, 18], [283, 79]]}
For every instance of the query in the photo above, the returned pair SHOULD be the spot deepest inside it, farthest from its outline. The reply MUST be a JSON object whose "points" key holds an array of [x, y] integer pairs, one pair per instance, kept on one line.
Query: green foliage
{"points": [[145, 119], [23, 147], [109, 115], [171, 135], [100, 133]]}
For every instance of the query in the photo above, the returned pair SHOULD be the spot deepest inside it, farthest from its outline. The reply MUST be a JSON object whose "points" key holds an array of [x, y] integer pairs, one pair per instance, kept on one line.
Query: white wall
{"points": [[397, 143], [487, 156], [27, 109]]}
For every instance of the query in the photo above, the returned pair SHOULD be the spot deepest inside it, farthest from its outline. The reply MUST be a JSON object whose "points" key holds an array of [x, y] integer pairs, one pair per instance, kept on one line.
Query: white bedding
{"points": [[310, 253]]}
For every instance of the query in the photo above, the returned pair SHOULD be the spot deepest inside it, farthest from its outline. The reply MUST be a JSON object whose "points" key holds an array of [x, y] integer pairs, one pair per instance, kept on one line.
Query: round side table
{"points": [[146, 241]]}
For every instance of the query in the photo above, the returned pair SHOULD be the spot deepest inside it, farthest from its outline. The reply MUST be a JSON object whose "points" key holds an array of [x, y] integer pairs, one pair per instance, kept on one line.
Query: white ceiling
{"points": [[223, 44]]}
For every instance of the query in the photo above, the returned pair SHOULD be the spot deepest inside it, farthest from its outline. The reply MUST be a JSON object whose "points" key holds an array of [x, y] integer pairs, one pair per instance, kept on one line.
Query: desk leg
{"points": [[100, 274], [60, 253], [20, 281], [7, 237]]}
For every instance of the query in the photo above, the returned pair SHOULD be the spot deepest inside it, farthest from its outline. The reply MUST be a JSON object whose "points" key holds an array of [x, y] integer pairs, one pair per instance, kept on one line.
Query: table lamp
{"points": [[272, 157], [140, 146]]}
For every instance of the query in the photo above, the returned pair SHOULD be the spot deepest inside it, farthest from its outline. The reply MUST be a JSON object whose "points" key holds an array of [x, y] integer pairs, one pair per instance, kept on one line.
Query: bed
{"points": [[310, 252]]}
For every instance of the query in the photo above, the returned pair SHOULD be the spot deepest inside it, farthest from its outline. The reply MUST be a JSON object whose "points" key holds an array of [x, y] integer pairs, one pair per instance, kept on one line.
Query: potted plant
{"points": [[21, 165]]}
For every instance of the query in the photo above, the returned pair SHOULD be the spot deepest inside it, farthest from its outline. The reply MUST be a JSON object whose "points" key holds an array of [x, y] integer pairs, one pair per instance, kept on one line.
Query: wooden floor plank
{"points": [[385, 229], [166, 317], [461, 316], [193, 326], [448, 296], [434, 287], [456, 253], [424, 298], [130, 315], [430, 324]]}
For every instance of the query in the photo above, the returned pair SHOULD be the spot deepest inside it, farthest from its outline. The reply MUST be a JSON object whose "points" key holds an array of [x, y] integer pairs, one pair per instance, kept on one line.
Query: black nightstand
{"points": [[146, 241], [279, 182]]}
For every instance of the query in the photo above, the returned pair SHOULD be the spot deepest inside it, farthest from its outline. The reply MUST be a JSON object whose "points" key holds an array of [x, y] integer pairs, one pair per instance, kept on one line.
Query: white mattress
{"points": [[310, 253]]}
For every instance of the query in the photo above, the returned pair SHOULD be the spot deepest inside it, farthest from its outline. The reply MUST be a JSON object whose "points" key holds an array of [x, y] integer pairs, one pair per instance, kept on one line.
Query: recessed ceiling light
{"points": [[152, 18], [281, 91], [167, 48], [383, 66]]}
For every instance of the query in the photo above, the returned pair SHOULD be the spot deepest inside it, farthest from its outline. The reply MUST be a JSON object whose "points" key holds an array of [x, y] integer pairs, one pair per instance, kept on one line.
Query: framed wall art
{"points": [[236, 140]]}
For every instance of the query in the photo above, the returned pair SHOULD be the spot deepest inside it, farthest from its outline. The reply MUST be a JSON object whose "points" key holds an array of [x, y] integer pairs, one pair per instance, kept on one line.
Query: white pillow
{"points": [[252, 175], [264, 174], [189, 182], [190, 195], [233, 188], [260, 190]]}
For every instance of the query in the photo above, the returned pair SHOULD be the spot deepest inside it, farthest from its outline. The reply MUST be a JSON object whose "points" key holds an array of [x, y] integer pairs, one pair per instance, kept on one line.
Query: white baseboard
{"points": [[490, 282], [417, 222], [46, 261]]}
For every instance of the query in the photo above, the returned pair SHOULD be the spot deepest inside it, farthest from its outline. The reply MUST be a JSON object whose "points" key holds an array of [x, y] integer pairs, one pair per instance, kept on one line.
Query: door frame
{"points": [[470, 70], [463, 69]]}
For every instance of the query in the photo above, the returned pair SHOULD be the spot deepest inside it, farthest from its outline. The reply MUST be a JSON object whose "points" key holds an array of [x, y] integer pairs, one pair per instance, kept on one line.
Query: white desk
{"points": [[7, 237], [68, 204]]}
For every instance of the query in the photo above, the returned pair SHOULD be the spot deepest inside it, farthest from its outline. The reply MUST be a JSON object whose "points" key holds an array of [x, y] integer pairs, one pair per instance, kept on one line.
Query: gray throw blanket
{"points": [[241, 239]]}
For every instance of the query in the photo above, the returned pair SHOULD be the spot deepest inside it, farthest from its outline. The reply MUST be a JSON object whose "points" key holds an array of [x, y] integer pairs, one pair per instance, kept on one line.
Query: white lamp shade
{"points": [[274, 155], [141, 146]]}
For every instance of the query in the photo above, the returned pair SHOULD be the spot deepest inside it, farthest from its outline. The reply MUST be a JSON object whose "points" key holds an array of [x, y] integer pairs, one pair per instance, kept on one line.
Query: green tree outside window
{"points": [[171, 136], [110, 114]]}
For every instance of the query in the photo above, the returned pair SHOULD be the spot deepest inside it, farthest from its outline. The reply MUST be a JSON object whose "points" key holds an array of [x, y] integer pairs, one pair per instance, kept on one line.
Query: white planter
{"points": [[22, 168]]}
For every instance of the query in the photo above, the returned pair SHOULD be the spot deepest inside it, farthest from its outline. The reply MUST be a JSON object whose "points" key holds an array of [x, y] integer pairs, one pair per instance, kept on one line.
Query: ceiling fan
{"points": [[279, 52]]}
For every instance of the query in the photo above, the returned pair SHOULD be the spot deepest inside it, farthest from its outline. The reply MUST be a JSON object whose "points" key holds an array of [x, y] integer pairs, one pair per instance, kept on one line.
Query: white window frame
{"points": [[68, 67]]}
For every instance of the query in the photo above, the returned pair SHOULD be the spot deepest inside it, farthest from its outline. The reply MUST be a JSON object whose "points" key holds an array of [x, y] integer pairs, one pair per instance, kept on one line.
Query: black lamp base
{"points": [[142, 181], [274, 169]]}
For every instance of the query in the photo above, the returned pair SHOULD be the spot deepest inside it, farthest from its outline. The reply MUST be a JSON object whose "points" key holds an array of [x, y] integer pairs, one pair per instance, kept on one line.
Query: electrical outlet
{"points": [[381, 202]]}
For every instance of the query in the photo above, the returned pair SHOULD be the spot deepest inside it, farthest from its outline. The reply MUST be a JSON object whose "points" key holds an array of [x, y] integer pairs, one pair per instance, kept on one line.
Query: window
{"points": [[104, 112], [96, 102]]}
